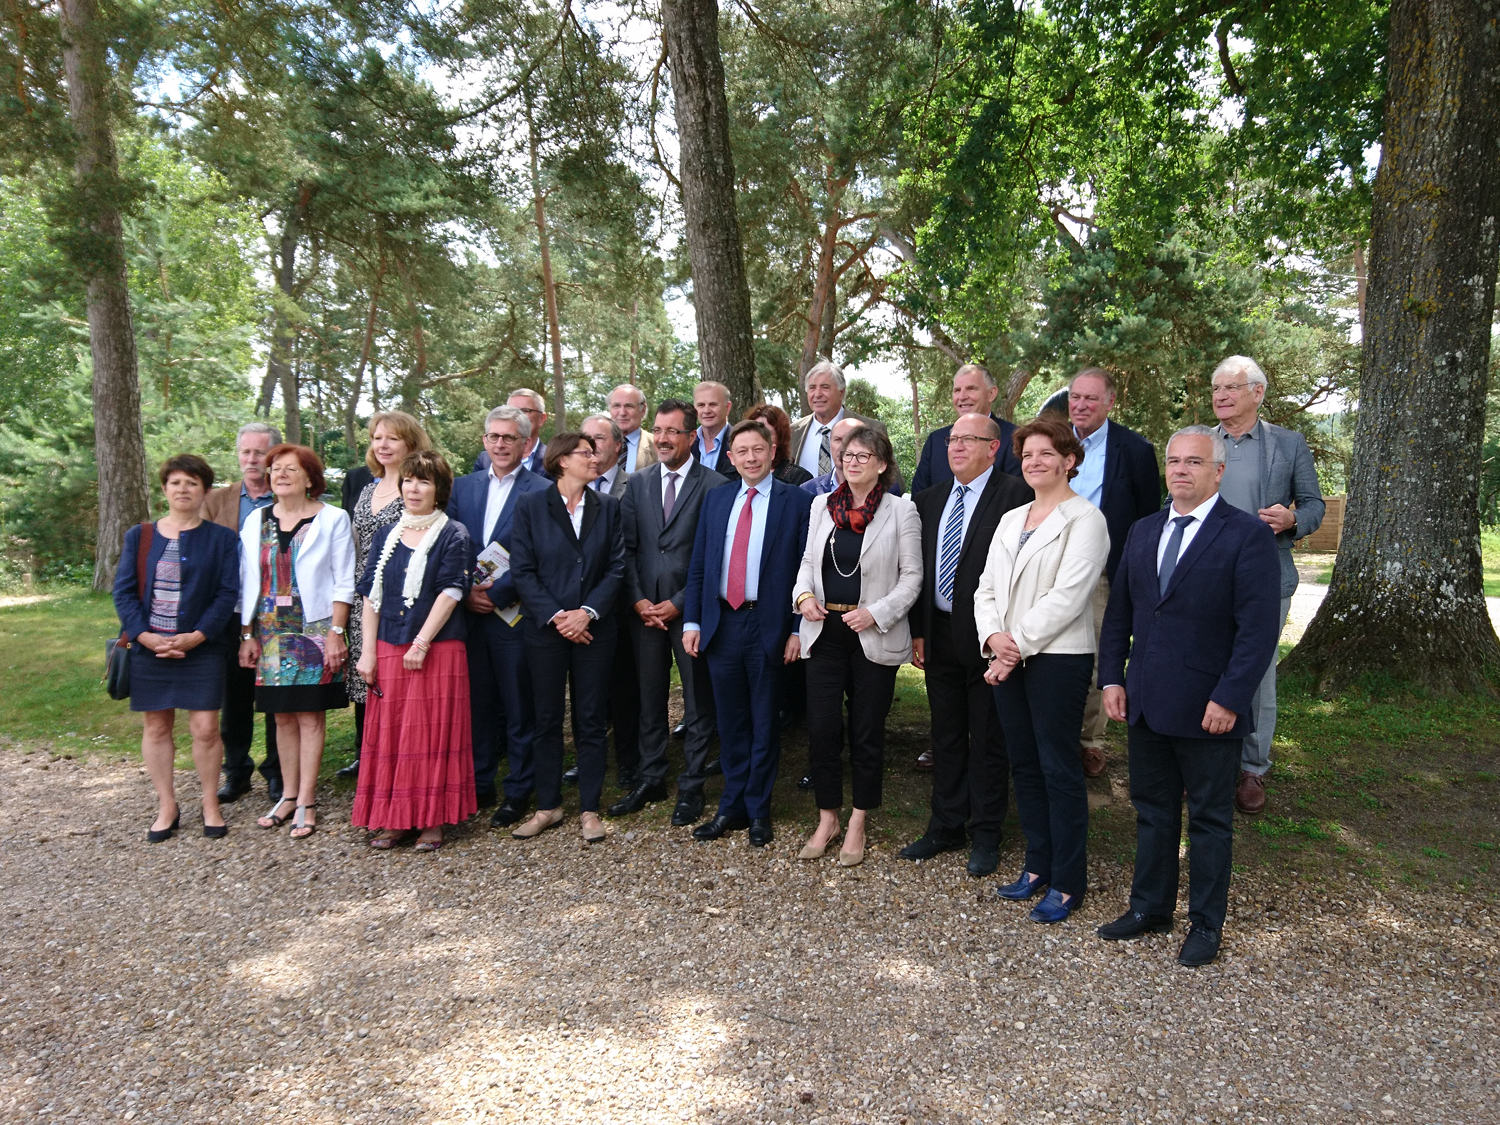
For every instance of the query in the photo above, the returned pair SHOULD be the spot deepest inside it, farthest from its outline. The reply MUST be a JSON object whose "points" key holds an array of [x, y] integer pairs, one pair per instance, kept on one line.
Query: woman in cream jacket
{"points": [[861, 573], [1033, 612]]}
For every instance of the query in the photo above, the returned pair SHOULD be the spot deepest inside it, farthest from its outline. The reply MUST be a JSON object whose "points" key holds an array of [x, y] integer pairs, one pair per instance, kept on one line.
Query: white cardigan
{"points": [[325, 564], [1014, 594], [890, 564]]}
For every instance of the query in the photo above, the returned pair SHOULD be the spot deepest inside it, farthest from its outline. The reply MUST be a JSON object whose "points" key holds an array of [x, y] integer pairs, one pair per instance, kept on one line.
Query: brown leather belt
{"points": [[839, 607]]}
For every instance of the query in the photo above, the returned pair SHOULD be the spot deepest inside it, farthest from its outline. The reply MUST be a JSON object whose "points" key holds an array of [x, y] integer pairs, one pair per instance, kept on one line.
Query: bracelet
{"points": [[420, 643], [803, 597]]}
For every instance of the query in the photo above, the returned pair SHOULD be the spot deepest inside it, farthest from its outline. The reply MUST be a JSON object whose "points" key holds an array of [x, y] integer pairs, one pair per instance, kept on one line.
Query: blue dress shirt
{"points": [[1089, 483]]}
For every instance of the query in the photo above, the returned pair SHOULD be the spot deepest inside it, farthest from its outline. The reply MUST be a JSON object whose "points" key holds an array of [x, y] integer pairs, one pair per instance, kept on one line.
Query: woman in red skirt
{"points": [[416, 771]]}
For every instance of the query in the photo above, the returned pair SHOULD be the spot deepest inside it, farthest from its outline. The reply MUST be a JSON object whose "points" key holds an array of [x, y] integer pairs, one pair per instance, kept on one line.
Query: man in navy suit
{"points": [[974, 392], [500, 701], [738, 611], [534, 406], [1118, 476], [1191, 609]]}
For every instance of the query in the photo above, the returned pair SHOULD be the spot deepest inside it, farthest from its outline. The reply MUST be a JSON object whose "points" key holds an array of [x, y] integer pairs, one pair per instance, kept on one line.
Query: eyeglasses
{"points": [[669, 433], [1233, 388], [969, 439], [531, 410], [501, 439], [856, 458]]}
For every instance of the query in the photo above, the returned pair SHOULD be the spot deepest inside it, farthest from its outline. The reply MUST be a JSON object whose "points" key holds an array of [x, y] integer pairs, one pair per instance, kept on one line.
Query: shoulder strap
{"points": [[143, 549]]}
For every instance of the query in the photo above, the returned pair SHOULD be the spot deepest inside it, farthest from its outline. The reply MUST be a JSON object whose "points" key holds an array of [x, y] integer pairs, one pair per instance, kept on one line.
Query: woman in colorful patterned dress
{"points": [[393, 435], [418, 770], [175, 626], [296, 587]]}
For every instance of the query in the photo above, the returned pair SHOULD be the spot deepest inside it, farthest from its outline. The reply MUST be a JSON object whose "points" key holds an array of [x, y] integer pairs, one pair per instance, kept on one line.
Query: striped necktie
{"points": [[953, 545]]}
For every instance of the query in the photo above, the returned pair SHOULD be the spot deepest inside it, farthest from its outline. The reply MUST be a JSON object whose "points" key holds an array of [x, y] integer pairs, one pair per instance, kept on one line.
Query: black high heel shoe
{"points": [[156, 836]]}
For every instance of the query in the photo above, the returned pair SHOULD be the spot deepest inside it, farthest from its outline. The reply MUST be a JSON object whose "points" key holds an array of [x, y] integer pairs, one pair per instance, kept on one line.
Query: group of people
{"points": [[1033, 576]]}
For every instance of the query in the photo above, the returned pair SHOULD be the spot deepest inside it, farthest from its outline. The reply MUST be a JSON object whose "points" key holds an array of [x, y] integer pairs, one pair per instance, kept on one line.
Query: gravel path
{"points": [[653, 979]]}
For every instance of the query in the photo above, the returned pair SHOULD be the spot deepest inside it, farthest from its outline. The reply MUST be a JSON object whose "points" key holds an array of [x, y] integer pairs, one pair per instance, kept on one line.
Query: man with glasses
{"points": [[1268, 472], [974, 392], [627, 406], [660, 518], [534, 407], [970, 771], [499, 684]]}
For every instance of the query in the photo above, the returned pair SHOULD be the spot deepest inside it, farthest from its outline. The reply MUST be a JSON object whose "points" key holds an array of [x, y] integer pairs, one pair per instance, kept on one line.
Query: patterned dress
{"points": [[292, 674], [366, 522]]}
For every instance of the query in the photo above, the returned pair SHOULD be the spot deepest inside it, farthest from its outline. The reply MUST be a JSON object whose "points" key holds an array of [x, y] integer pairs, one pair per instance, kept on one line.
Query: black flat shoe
{"points": [[805, 782], [510, 811], [215, 831], [688, 811], [570, 777], [720, 825], [1200, 948], [157, 835], [638, 798], [1133, 924], [927, 846], [760, 831], [349, 772], [983, 861]]}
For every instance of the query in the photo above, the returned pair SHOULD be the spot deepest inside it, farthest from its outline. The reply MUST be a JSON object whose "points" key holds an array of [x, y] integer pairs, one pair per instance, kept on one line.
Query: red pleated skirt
{"points": [[416, 768]]}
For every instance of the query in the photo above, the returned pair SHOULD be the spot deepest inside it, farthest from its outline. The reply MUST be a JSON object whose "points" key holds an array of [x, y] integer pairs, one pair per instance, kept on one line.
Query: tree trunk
{"points": [[351, 407], [721, 296], [1407, 602], [279, 370], [1015, 387], [635, 339], [119, 442], [549, 286], [823, 282]]}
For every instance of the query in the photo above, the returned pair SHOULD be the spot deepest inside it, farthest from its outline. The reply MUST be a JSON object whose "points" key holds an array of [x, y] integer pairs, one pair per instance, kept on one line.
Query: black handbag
{"points": [[117, 651]]}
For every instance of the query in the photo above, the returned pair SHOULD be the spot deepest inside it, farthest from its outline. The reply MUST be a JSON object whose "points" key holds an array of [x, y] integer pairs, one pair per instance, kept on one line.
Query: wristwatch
{"points": [[247, 636], [336, 630]]}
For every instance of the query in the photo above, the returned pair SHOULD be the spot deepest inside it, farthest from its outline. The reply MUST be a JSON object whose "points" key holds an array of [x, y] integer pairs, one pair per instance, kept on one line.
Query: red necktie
{"points": [[739, 555]]}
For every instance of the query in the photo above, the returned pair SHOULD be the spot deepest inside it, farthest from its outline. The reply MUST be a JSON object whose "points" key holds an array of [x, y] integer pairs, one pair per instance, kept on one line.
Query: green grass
{"points": [[1489, 547]]}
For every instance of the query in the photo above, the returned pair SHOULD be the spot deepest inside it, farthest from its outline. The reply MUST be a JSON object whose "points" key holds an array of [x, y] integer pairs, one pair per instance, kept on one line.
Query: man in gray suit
{"points": [[812, 434], [660, 517], [1268, 470], [608, 441]]}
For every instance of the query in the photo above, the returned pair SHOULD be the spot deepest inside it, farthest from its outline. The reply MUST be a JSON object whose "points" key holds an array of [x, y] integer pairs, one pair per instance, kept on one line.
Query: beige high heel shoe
{"points": [[810, 852], [540, 821]]}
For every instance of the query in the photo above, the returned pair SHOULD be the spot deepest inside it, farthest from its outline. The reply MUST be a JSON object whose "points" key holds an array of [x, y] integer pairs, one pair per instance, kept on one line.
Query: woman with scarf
{"points": [[861, 573], [417, 769]]}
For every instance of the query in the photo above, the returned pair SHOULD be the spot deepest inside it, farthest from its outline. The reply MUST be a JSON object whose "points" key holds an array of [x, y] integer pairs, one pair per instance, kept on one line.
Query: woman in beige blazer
{"points": [[861, 573], [1032, 608]]}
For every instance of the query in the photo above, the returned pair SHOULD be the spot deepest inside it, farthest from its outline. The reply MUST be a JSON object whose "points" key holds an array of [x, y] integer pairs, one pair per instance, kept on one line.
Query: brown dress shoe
{"points": [[924, 760], [1250, 794], [1093, 761]]}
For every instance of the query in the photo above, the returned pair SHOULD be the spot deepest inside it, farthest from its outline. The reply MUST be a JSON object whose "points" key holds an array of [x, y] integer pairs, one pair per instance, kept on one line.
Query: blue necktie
{"points": [[1174, 548], [953, 545]]}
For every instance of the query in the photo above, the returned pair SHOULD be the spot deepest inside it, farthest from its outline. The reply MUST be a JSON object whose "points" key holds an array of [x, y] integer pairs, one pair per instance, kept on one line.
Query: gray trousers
{"points": [[655, 651], [1256, 756]]}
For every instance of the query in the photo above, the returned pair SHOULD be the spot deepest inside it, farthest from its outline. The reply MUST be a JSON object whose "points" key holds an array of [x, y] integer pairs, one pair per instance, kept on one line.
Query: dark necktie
{"points": [[669, 501], [952, 546], [624, 453], [1174, 548]]}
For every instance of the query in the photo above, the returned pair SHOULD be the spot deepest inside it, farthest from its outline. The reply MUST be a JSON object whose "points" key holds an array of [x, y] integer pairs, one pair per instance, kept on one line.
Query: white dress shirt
{"points": [[576, 515], [1199, 514], [1089, 483], [605, 481], [812, 444], [971, 501], [494, 501]]}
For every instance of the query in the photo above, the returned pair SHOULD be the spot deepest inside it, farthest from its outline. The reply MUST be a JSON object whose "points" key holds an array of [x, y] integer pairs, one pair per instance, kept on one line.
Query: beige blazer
{"points": [[1040, 593], [890, 561]]}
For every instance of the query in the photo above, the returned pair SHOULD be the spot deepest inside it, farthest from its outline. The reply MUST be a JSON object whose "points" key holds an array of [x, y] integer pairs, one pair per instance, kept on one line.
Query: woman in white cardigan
{"points": [[296, 587], [861, 573], [1033, 610]]}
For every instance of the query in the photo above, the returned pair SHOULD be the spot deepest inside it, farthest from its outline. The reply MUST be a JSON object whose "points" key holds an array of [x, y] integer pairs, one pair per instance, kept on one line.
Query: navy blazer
{"points": [[1210, 637], [466, 505], [933, 467], [1132, 487], [210, 560], [450, 563], [780, 559], [555, 569]]}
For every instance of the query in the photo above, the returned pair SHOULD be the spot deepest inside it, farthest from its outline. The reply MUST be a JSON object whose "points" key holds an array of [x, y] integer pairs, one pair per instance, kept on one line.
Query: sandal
{"points": [[428, 845], [269, 819], [386, 843], [300, 825]]}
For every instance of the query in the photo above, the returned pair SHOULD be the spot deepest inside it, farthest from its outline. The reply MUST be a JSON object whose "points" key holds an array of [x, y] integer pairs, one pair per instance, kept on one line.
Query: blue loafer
{"points": [[1022, 889], [1052, 908]]}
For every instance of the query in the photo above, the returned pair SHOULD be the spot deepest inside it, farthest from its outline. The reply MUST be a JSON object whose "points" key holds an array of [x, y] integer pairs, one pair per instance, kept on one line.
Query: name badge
{"points": [[283, 600]]}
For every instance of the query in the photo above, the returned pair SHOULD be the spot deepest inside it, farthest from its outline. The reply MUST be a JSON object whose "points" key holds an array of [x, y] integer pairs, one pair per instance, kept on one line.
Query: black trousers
{"points": [[1041, 707], [237, 723], [970, 770], [1164, 769], [838, 661], [553, 661]]}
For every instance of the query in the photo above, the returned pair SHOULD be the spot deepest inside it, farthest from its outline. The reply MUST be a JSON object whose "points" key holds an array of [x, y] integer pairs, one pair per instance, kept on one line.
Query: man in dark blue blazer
{"points": [[1118, 476], [738, 611], [1192, 611], [974, 392], [500, 702]]}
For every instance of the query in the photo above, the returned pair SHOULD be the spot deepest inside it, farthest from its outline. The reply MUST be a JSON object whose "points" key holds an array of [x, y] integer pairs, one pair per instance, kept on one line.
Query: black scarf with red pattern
{"points": [[853, 519]]}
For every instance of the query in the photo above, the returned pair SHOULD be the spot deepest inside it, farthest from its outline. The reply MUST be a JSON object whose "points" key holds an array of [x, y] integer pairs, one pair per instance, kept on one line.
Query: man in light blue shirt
{"points": [[711, 401]]}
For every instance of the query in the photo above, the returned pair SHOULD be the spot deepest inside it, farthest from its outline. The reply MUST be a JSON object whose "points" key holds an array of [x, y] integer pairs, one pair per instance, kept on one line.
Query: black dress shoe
{"points": [[720, 825], [679, 732], [689, 809], [930, 845], [232, 790], [1132, 924], [350, 772], [983, 861], [806, 782], [1200, 948], [485, 797], [760, 831], [510, 811], [630, 779], [276, 791], [157, 835], [570, 777], [713, 768], [638, 798]]}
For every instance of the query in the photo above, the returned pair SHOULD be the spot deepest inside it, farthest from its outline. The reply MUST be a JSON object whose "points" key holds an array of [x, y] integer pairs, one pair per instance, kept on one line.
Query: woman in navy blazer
{"points": [[568, 558], [176, 629]]}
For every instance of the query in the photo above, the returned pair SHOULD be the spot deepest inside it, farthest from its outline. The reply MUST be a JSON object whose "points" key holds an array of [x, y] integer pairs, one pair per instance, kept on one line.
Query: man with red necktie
{"points": [[739, 616]]}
